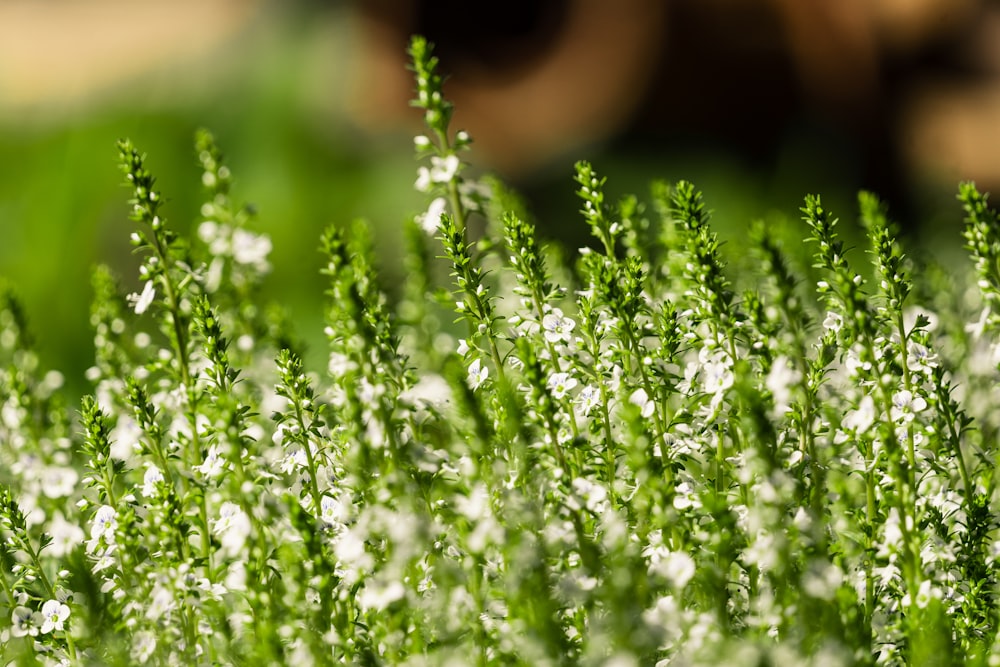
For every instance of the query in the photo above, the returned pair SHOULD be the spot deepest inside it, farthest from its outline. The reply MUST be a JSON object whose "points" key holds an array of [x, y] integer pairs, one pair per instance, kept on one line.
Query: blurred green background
{"points": [[269, 93], [277, 83]]}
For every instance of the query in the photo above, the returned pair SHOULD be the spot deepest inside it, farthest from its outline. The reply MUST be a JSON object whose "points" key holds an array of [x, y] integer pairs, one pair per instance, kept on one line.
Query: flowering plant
{"points": [[639, 457]]}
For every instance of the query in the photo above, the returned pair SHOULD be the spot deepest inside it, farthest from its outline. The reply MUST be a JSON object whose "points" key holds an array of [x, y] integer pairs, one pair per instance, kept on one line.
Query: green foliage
{"points": [[648, 456]]}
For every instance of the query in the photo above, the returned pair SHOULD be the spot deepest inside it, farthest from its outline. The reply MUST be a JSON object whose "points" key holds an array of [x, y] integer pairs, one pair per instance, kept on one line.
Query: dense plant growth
{"points": [[640, 456]]}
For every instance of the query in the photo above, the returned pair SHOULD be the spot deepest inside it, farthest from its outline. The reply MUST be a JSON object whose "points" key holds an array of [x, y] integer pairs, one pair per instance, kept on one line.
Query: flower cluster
{"points": [[643, 456]]}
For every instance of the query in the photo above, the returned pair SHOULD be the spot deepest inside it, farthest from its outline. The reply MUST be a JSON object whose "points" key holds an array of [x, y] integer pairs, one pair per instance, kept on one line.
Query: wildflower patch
{"points": [[638, 457]]}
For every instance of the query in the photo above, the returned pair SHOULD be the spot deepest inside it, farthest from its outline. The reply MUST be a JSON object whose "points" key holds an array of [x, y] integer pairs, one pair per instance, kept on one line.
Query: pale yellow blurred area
{"points": [[63, 52]]}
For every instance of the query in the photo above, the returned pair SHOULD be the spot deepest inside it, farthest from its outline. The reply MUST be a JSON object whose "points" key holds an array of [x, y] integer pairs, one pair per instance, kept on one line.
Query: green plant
{"points": [[638, 457]]}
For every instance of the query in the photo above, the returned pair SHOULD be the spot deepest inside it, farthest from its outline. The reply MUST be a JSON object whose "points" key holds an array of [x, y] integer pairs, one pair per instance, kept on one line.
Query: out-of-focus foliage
{"points": [[274, 94], [271, 94]]}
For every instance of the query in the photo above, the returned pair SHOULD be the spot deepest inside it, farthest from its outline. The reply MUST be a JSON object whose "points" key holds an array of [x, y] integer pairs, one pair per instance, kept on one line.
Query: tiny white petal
{"points": [[142, 302], [431, 220]]}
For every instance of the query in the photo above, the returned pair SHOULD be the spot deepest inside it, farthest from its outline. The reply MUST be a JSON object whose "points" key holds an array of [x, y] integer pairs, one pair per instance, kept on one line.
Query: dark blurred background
{"points": [[757, 101]]}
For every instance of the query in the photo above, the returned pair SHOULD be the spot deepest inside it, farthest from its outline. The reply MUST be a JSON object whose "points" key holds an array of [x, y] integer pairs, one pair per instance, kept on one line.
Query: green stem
{"points": [[539, 302], [870, 510], [313, 483], [180, 343], [647, 386], [911, 458]]}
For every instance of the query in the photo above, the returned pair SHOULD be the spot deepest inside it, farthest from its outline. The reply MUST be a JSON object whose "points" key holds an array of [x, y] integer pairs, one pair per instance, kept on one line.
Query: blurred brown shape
{"points": [[950, 126], [552, 92], [912, 86], [738, 71]]}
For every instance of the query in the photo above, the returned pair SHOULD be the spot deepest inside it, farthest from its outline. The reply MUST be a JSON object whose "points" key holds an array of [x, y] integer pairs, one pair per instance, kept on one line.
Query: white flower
{"points": [[143, 645], [833, 321], [213, 276], [822, 580], [588, 398], [475, 506], [557, 328], [615, 381], [854, 364], [525, 327], [375, 597], [368, 393], [294, 460], [472, 193], [213, 465], [423, 182], [919, 358], [340, 365], [251, 249], [560, 383], [215, 236], [236, 576], [976, 329], [780, 380], [904, 404], [685, 496], [431, 220], [150, 480], [645, 404], [443, 170], [675, 566], [667, 614], [430, 390], [54, 614], [65, 536], [141, 302], [58, 482], [233, 527], [893, 535], [24, 622], [351, 553], [208, 230], [594, 496], [716, 375], [125, 438], [104, 559], [860, 420], [212, 591], [161, 601], [104, 523], [332, 511], [477, 374], [926, 593]]}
